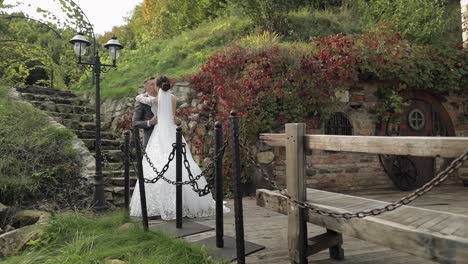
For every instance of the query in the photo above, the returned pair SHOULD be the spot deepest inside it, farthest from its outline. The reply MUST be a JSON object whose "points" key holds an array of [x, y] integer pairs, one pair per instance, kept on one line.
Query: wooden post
{"points": [[295, 171]]}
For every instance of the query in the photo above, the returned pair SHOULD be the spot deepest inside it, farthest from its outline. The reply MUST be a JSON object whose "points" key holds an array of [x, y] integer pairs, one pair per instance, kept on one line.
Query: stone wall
{"points": [[342, 171]]}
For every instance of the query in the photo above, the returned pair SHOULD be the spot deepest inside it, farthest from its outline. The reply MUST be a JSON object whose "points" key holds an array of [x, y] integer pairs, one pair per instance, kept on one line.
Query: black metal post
{"points": [[141, 180], [219, 186], [179, 177], [99, 197], [127, 169], [236, 174]]}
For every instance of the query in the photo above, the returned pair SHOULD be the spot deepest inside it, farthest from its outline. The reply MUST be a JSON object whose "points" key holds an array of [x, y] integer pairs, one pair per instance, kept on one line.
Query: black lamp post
{"points": [[80, 43]]}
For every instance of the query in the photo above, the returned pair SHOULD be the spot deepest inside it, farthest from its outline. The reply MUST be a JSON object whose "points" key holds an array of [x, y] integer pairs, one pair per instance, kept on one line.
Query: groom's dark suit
{"points": [[141, 116]]}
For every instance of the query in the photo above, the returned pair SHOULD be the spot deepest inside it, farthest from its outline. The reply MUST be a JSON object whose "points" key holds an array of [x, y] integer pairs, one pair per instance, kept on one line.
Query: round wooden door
{"points": [[422, 116]]}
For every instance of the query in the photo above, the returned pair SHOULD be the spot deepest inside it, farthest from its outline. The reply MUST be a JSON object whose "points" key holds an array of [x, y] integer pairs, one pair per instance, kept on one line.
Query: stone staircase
{"points": [[76, 114]]}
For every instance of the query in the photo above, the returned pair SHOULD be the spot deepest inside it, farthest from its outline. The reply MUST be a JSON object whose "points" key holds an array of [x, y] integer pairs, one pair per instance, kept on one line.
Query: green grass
{"points": [[74, 238], [176, 57], [38, 160], [181, 56], [307, 24]]}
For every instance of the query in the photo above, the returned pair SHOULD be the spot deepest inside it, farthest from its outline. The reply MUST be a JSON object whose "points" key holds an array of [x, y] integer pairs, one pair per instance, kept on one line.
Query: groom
{"points": [[143, 117]]}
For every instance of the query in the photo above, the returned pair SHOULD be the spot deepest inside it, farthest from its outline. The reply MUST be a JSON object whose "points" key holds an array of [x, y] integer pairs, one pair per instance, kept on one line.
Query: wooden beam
{"points": [[323, 241], [295, 174], [446, 147], [444, 248]]}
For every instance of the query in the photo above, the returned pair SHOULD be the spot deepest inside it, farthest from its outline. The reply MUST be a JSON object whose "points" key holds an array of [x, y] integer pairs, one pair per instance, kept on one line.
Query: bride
{"points": [[160, 196]]}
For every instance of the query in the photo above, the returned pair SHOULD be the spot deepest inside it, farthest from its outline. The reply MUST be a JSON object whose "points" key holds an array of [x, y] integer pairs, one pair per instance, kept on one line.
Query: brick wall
{"points": [[341, 171]]}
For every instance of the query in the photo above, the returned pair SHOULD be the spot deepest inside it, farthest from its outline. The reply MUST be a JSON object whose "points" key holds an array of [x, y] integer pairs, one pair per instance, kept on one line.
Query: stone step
{"points": [[113, 155], [71, 124], [88, 134], [90, 126], [117, 190], [113, 166], [77, 117], [105, 143], [120, 181], [117, 173], [54, 99], [115, 195], [62, 108], [46, 91]]}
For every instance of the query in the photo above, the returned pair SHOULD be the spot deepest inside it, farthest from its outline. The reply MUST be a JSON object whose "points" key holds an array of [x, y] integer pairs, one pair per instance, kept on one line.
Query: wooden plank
{"points": [[446, 147], [435, 246], [295, 174], [322, 242]]}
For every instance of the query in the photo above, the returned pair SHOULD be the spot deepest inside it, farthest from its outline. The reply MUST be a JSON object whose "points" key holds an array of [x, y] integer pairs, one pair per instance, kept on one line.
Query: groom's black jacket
{"points": [[141, 115]]}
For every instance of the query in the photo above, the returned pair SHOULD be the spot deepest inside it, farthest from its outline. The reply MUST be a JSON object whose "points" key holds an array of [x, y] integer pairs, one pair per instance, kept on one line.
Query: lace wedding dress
{"points": [[160, 196]]}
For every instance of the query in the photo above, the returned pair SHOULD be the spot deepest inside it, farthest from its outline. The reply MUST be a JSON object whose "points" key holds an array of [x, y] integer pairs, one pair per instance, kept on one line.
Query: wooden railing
{"points": [[296, 141]]}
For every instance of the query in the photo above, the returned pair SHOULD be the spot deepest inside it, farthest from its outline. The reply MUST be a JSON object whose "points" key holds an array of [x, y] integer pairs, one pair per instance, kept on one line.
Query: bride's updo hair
{"points": [[163, 83]]}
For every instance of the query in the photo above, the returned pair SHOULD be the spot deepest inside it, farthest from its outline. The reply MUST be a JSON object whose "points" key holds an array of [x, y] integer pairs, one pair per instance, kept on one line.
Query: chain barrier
{"points": [[192, 180], [209, 180], [160, 175], [441, 177]]}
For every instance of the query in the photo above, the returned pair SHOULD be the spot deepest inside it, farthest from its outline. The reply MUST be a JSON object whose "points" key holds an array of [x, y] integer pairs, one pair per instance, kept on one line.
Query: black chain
{"points": [[160, 175], [441, 177], [209, 180]]}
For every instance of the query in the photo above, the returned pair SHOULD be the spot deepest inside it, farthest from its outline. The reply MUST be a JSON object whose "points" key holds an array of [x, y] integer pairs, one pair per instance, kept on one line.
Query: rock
{"points": [[9, 228], [27, 217], [126, 227], [195, 102], [49, 106], [184, 105], [265, 157], [3, 210], [192, 124], [115, 261]]}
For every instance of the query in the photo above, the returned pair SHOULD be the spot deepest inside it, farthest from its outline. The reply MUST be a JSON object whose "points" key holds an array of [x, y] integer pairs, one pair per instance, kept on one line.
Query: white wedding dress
{"points": [[160, 196]]}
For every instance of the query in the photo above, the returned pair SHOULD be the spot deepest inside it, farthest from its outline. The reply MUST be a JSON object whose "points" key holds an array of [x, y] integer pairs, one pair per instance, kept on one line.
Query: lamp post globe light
{"points": [[80, 44]]}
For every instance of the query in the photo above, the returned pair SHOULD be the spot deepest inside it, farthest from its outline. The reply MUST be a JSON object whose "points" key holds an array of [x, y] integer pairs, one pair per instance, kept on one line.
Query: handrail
{"points": [[446, 147]]}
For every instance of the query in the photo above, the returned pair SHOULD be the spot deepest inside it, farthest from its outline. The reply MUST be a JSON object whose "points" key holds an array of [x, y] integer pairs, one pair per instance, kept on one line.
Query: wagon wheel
{"points": [[405, 173]]}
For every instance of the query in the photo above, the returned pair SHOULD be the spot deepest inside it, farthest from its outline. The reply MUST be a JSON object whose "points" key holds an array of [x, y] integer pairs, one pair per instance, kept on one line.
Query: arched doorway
{"points": [[423, 115]]}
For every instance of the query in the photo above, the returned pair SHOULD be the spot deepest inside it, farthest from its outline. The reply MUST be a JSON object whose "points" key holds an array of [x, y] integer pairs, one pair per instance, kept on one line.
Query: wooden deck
{"points": [[270, 229]]}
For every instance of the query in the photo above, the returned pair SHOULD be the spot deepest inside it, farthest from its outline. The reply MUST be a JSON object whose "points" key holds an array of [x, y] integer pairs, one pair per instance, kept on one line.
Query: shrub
{"points": [[276, 84], [38, 161], [422, 21]]}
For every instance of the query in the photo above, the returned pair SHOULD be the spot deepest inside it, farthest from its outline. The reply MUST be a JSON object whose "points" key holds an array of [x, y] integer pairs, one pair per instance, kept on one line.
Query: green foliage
{"points": [[306, 24], [270, 15], [38, 161], [175, 57], [391, 108], [422, 21], [75, 238], [29, 44], [166, 18]]}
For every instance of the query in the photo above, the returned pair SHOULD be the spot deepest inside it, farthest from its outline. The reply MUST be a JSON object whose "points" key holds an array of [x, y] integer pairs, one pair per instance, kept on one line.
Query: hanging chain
{"points": [[441, 177], [210, 180], [160, 175]]}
